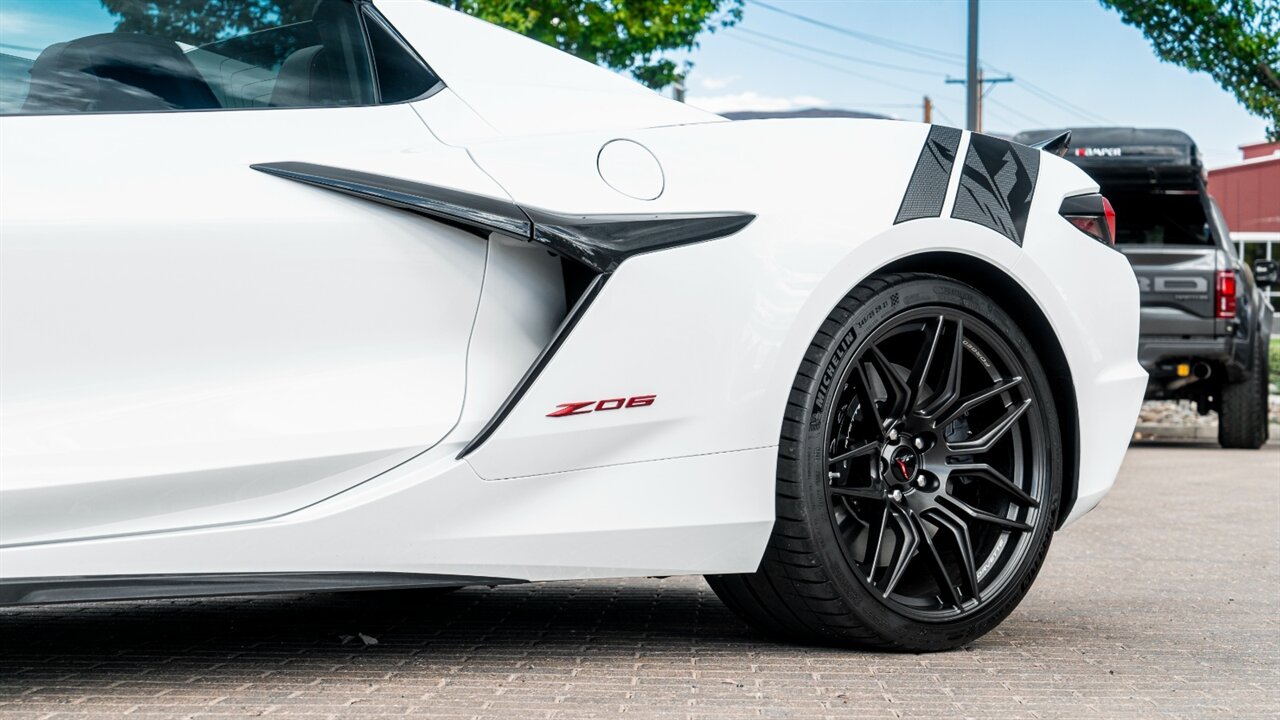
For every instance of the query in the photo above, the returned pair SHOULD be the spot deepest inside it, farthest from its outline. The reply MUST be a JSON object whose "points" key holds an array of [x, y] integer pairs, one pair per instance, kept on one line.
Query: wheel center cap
{"points": [[904, 465]]}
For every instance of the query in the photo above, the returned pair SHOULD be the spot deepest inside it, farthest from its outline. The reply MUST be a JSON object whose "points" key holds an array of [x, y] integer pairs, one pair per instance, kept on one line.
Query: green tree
{"points": [[626, 35], [1236, 41]]}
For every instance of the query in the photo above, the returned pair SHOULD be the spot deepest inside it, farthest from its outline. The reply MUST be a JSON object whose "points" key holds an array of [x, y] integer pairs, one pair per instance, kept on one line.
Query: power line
{"points": [[819, 63], [810, 60], [918, 50], [833, 54], [1019, 113], [1011, 124], [1000, 119], [939, 56], [1052, 98], [1061, 104], [889, 105]]}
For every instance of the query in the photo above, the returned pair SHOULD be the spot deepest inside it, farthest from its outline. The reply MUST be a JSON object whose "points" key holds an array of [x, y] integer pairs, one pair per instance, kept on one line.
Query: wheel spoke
{"points": [[944, 519], [974, 513], [908, 544], [950, 390], [988, 439], [983, 471], [893, 383], [970, 402], [874, 559], [870, 412], [924, 361], [937, 567], [859, 451], [855, 492]]}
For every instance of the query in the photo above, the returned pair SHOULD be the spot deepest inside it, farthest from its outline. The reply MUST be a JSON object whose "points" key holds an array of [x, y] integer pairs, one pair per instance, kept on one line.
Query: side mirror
{"points": [[1265, 271]]}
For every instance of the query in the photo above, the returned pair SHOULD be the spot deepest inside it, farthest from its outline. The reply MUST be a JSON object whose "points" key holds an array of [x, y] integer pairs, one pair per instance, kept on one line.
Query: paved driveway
{"points": [[1164, 602]]}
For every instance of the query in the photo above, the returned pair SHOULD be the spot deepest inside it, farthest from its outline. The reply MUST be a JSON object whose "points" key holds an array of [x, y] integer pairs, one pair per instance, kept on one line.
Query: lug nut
{"points": [[921, 481], [893, 435], [919, 443], [896, 495]]}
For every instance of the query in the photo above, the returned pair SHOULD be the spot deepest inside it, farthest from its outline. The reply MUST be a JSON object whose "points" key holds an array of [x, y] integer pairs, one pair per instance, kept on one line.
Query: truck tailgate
{"points": [[1177, 285]]}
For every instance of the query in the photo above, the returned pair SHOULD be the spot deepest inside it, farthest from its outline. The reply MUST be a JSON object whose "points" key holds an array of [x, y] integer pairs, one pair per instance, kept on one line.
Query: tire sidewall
{"points": [[883, 307], [1243, 421]]}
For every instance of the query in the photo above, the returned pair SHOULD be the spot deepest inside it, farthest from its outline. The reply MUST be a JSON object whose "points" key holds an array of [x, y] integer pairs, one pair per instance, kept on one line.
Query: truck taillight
{"points": [[1224, 300]]}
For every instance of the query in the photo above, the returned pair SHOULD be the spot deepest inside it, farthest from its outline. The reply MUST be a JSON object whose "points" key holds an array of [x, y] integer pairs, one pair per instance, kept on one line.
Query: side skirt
{"points": [[34, 591]]}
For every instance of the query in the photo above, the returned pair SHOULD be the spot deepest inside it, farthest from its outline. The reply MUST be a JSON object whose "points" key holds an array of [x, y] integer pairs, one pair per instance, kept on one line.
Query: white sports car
{"points": [[378, 295]]}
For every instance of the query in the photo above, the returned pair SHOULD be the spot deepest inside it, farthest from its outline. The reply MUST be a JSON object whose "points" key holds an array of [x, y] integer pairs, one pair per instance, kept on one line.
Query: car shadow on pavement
{"points": [[547, 620], [602, 619]]}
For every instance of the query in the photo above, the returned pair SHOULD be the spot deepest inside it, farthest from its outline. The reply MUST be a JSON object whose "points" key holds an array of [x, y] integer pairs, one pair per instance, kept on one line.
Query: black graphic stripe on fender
{"points": [[598, 242], [997, 183], [927, 189]]}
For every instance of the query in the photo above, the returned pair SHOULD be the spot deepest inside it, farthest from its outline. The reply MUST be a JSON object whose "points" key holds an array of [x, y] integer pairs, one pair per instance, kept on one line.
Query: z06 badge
{"points": [[582, 408]]}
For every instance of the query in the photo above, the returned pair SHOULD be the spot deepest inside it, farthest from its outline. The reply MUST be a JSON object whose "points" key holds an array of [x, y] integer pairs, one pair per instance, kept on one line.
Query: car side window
{"points": [[95, 56], [400, 73]]}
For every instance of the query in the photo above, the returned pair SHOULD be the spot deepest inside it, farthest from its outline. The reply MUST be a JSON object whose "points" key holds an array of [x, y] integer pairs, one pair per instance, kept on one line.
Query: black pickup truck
{"points": [[1206, 323]]}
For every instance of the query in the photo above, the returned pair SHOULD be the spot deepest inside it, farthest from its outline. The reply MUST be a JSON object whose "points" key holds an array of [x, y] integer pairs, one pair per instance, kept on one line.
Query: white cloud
{"points": [[750, 100], [716, 83]]}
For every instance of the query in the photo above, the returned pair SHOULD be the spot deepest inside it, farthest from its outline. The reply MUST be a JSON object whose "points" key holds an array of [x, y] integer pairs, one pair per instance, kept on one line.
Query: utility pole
{"points": [[972, 80], [973, 113], [928, 110], [975, 86]]}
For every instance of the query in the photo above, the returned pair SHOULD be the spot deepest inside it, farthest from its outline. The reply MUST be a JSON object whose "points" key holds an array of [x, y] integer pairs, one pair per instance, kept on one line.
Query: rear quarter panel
{"points": [[717, 330]]}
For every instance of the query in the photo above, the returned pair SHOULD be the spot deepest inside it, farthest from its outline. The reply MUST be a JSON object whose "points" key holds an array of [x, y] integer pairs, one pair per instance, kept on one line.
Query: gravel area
{"points": [[1184, 413]]}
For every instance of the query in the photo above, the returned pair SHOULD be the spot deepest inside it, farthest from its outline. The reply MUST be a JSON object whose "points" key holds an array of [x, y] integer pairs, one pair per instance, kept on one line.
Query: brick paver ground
{"points": [[1164, 602]]}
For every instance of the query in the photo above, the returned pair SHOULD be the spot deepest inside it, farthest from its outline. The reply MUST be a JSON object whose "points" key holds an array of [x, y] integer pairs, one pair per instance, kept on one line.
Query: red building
{"points": [[1249, 191], [1249, 194]]}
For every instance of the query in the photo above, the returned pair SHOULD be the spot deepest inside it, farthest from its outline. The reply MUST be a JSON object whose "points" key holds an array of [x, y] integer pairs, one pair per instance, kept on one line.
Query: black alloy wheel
{"points": [[933, 483], [918, 477]]}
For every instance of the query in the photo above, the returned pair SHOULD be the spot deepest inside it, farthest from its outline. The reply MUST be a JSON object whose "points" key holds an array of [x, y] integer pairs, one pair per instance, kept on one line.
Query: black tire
{"points": [[810, 588], [1242, 421]]}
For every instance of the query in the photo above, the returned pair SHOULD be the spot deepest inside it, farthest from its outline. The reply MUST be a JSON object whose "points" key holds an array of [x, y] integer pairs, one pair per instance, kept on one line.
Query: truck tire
{"points": [[1242, 422]]}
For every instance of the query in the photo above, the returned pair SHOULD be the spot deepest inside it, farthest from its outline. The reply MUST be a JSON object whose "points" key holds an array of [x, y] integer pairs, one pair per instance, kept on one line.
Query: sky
{"points": [[1073, 62]]}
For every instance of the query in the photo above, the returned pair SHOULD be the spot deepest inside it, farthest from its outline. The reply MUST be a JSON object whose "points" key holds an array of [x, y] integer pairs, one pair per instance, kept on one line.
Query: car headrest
{"points": [[328, 73]]}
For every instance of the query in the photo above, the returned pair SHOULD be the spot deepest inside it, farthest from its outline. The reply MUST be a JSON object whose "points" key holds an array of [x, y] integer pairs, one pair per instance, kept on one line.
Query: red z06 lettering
{"points": [[582, 408]]}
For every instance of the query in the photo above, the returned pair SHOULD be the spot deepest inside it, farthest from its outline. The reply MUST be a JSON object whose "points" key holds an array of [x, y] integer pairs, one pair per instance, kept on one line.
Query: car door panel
{"points": [[189, 342]]}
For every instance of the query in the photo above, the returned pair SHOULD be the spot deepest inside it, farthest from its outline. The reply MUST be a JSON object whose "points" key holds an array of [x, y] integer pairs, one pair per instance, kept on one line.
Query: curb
{"points": [[1152, 431]]}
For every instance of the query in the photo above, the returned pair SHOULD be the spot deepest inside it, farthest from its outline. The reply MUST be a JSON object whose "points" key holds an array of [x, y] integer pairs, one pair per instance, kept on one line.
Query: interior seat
{"points": [[330, 73]]}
